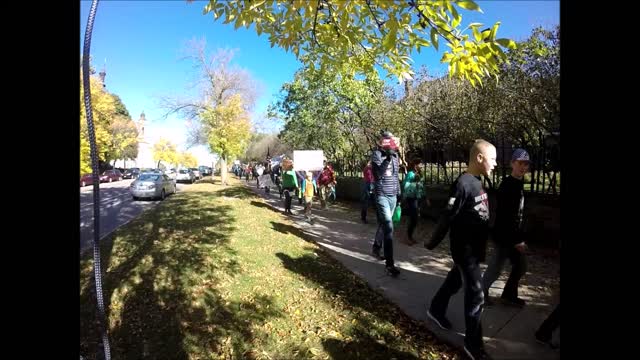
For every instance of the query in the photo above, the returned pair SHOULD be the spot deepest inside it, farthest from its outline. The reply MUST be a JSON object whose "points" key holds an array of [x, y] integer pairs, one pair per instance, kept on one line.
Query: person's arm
{"points": [[399, 192], [456, 199], [379, 163]]}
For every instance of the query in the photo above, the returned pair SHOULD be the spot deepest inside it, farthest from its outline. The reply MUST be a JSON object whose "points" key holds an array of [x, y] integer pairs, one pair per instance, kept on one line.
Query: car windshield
{"points": [[148, 177], [184, 171]]}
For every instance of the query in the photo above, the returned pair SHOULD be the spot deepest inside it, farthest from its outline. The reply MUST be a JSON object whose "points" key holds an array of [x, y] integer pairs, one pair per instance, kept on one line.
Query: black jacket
{"points": [[507, 230], [467, 215]]}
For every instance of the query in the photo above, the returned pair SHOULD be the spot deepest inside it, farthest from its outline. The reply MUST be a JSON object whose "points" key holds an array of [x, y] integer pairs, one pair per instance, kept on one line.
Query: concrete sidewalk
{"points": [[508, 331]]}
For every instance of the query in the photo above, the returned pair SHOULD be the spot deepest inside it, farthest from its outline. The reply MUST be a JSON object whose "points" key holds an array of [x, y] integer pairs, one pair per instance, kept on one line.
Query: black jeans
{"points": [[550, 323], [366, 198], [287, 197], [412, 208], [518, 268], [467, 271]]}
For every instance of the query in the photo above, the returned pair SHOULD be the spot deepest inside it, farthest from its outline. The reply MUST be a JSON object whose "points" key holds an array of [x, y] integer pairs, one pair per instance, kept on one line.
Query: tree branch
{"points": [[315, 21], [375, 18], [412, 4]]}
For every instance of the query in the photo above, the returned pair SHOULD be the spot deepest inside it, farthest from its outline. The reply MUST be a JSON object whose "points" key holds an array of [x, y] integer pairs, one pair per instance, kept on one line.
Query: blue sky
{"points": [[142, 42]]}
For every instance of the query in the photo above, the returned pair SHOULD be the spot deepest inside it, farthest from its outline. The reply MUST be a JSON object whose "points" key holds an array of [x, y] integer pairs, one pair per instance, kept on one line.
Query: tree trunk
{"points": [[158, 166], [223, 170]]}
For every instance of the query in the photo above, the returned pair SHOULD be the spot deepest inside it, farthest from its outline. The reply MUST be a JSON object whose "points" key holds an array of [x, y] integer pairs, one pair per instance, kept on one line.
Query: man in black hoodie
{"points": [[507, 232], [467, 214]]}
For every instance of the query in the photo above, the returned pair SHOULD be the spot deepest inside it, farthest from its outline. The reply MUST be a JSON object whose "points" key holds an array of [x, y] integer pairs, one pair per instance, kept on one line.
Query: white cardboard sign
{"points": [[310, 160]]}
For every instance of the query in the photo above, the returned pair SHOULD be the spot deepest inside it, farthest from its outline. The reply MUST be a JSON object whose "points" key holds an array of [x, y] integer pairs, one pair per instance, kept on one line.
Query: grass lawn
{"points": [[214, 273]]}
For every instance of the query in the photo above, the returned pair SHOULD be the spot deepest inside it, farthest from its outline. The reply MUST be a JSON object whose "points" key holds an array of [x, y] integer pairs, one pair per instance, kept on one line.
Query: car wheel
{"points": [[83, 184], [162, 194]]}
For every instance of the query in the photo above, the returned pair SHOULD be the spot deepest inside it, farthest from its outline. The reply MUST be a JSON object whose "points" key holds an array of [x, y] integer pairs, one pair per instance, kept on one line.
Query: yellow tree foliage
{"points": [[355, 36], [103, 105], [165, 150], [124, 138], [230, 128], [187, 159]]}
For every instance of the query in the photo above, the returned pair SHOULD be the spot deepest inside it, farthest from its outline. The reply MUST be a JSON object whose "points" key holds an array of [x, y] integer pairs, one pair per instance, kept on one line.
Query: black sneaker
{"points": [[476, 354], [544, 339], [440, 320], [488, 301], [392, 270], [513, 300], [376, 254]]}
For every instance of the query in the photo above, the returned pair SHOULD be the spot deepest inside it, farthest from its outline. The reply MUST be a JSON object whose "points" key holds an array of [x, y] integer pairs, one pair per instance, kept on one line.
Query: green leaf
{"points": [[508, 43], [256, 4], [446, 57], [476, 34], [494, 30], [469, 5], [479, 78], [434, 38], [456, 17], [389, 40]]}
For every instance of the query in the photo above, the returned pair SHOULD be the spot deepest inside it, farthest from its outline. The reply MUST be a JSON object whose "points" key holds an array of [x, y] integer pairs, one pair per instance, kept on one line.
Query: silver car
{"points": [[152, 185], [196, 173], [185, 175]]}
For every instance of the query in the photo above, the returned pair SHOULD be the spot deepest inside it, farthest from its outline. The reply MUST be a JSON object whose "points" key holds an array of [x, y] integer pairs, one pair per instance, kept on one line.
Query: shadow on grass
{"points": [[161, 272], [265, 206], [349, 289], [365, 347], [239, 192], [290, 229]]}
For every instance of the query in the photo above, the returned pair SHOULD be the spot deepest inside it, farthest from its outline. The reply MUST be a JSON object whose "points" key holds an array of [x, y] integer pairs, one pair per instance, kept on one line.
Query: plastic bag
{"points": [[397, 214]]}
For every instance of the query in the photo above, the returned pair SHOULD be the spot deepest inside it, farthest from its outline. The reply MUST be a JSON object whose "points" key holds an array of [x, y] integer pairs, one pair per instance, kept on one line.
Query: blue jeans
{"points": [[385, 205]]}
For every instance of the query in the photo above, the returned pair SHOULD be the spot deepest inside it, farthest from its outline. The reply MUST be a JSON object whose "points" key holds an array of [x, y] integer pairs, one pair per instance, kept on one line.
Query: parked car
{"points": [[196, 172], [185, 175], [131, 173], [205, 170], [172, 174], [152, 185], [86, 179], [111, 175]]}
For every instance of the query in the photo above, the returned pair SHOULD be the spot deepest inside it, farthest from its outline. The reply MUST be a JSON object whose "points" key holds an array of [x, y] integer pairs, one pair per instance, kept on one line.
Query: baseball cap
{"points": [[520, 155]]}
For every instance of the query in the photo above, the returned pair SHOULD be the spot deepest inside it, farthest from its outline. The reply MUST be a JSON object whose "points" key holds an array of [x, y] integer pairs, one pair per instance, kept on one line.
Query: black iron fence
{"points": [[443, 164]]}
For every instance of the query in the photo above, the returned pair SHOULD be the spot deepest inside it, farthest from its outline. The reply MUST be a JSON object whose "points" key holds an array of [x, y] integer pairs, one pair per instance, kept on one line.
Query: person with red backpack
{"points": [[326, 181]]}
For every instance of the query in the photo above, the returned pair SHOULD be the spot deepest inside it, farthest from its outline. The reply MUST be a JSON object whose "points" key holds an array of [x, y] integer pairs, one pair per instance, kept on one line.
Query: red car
{"points": [[111, 175], [86, 179]]}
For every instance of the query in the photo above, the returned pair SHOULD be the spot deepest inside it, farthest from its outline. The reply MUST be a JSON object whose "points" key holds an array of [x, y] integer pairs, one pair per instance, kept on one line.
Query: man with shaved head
{"points": [[467, 215]]}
